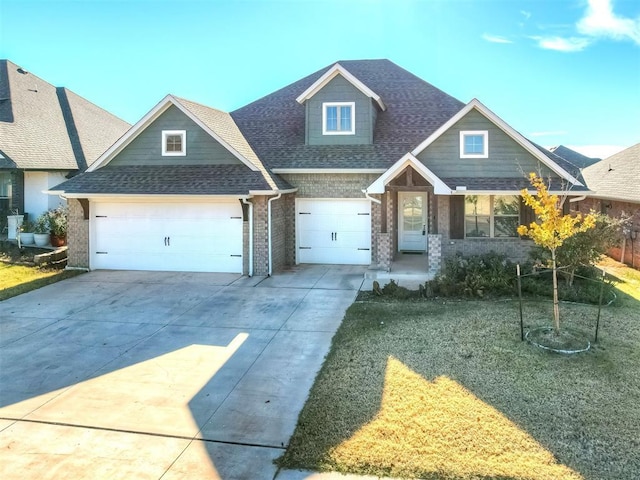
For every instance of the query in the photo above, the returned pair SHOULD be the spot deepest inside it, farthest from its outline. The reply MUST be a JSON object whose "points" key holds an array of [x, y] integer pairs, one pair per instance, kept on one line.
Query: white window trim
{"points": [[485, 139], [165, 134], [492, 224], [339, 104]]}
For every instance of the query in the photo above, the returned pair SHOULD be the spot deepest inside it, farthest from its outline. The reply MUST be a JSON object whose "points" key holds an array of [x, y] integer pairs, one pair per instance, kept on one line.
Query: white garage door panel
{"points": [[174, 237], [334, 231]]}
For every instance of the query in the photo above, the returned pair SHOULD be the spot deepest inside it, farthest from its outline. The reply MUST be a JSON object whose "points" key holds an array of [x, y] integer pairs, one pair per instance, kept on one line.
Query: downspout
{"points": [[269, 231], [374, 200], [244, 200], [577, 199]]}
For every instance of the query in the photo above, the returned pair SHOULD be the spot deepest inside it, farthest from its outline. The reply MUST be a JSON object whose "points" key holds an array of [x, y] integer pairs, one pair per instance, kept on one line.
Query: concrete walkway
{"points": [[163, 375]]}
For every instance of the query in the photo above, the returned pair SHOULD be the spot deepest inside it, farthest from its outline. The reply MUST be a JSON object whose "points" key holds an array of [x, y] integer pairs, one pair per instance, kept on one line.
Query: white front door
{"points": [[412, 221], [336, 231]]}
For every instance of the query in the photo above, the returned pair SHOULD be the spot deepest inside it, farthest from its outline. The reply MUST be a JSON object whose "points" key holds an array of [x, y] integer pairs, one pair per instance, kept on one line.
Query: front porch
{"points": [[407, 269]]}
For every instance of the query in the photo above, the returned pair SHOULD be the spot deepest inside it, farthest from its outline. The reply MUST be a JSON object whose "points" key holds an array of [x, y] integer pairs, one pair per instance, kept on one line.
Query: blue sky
{"points": [[560, 72]]}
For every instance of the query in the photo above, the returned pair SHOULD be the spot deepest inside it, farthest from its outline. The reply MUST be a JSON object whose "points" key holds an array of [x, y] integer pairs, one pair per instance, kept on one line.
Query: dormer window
{"points": [[338, 118], [174, 143], [474, 144]]}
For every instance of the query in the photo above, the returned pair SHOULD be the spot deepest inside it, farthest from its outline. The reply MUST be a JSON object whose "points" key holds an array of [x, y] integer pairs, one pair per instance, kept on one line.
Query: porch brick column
{"points": [[434, 241], [384, 251]]}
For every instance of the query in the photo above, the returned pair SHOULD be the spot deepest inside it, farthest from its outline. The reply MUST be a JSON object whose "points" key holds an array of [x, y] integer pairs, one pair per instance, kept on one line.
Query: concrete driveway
{"points": [[163, 375]]}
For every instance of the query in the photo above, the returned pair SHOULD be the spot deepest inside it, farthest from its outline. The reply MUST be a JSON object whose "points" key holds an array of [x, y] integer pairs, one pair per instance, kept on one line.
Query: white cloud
{"points": [[525, 14], [495, 38], [597, 151], [600, 21], [561, 44]]}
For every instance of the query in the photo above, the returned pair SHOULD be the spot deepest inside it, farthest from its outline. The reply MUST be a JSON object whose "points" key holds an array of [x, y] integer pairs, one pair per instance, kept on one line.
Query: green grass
{"points": [[446, 390], [18, 279]]}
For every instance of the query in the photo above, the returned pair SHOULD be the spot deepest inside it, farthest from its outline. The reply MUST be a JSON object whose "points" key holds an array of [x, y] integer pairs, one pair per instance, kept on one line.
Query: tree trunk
{"points": [[556, 310]]}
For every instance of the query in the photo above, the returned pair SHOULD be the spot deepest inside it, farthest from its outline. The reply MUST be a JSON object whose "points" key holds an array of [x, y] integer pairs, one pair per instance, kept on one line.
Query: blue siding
{"points": [[340, 90], [507, 159], [146, 148]]}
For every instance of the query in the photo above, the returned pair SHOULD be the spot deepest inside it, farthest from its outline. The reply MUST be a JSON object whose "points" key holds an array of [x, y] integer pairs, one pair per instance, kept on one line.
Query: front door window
{"points": [[412, 217]]}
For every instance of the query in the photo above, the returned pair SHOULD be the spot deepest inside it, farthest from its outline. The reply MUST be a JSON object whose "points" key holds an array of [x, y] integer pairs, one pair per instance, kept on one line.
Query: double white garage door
{"points": [[200, 237], [207, 237]]}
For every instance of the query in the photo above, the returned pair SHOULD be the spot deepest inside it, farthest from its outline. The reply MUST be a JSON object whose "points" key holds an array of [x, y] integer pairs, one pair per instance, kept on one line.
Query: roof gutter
{"points": [[269, 230], [369, 197]]}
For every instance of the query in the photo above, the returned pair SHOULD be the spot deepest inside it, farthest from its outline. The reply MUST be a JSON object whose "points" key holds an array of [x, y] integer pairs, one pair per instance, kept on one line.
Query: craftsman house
{"points": [[356, 163]]}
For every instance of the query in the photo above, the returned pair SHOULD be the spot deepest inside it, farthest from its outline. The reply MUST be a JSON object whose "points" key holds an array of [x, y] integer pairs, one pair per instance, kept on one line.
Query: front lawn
{"points": [[18, 279], [445, 389]]}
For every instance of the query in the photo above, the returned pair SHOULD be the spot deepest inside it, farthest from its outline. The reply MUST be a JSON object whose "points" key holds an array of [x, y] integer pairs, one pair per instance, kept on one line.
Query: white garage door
{"points": [[202, 237], [334, 231]]}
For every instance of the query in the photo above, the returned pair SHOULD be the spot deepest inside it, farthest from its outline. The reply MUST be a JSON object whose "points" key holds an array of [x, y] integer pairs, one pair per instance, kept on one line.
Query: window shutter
{"points": [[456, 217], [527, 215]]}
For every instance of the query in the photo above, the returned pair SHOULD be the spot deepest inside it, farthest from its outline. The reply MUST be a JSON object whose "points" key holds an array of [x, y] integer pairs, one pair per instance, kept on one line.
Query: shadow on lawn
{"points": [[435, 389]]}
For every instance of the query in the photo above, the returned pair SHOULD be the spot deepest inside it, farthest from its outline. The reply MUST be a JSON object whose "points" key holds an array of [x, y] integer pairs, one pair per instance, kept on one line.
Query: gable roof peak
{"points": [[533, 149], [329, 75]]}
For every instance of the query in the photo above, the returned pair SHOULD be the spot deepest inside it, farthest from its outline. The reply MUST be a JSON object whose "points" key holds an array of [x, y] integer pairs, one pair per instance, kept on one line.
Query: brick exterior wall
{"points": [[617, 209], [516, 249], [327, 186], [260, 236], [385, 252], [330, 185], [434, 247], [278, 233], [77, 236]]}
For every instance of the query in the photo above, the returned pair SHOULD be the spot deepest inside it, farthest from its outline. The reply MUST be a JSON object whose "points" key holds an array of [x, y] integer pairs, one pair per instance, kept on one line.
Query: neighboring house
{"points": [[579, 160], [354, 164], [615, 182], [46, 134]]}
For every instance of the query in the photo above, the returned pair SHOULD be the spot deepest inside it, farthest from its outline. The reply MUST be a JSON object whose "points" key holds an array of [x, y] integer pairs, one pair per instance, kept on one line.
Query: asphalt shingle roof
{"points": [[222, 124], [39, 124], [153, 180], [275, 125], [616, 177], [574, 157]]}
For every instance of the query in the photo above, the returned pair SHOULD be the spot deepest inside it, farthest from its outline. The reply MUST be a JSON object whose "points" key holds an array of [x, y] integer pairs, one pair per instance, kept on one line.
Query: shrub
{"points": [[475, 276]]}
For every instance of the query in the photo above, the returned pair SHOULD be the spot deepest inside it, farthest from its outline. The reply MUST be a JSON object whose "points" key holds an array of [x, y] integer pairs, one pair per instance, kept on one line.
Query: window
{"points": [[474, 144], [338, 118], [5, 184], [491, 216], [174, 143]]}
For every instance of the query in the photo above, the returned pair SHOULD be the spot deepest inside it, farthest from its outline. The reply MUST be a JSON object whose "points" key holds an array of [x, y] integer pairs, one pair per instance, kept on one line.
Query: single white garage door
{"points": [[334, 231], [200, 237]]}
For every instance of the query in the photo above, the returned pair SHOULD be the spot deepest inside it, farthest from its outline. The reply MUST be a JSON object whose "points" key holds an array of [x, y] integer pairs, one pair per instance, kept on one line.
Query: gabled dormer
{"points": [[340, 109]]}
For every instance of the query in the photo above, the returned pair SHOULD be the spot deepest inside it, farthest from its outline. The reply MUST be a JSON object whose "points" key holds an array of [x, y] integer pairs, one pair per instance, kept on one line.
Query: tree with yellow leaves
{"points": [[552, 228]]}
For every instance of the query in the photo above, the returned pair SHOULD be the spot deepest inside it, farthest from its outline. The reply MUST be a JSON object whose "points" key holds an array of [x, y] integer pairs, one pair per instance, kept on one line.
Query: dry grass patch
{"points": [[628, 279], [446, 390]]}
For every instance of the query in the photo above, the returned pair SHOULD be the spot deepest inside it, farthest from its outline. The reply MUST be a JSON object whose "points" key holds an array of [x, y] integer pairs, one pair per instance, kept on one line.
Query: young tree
{"points": [[552, 228]]}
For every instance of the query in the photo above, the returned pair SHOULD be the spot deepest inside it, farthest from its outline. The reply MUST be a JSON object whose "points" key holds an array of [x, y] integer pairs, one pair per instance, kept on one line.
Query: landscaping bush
{"points": [[476, 276]]}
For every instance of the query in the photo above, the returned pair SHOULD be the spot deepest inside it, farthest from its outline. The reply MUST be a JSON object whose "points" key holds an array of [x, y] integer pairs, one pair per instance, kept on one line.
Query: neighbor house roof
{"points": [[579, 160], [616, 177], [43, 127], [275, 125]]}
